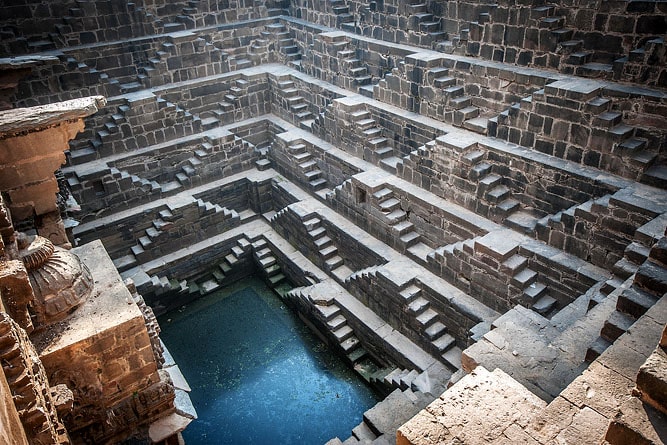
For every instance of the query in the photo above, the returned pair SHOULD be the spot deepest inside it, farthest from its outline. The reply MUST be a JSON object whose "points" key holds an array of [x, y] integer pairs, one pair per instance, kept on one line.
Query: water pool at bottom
{"points": [[257, 373]]}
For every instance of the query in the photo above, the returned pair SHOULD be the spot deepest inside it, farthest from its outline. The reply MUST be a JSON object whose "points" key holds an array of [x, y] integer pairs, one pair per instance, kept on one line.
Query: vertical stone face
{"points": [[11, 429], [29, 385], [32, 146], [106, 357], [16, 292]]}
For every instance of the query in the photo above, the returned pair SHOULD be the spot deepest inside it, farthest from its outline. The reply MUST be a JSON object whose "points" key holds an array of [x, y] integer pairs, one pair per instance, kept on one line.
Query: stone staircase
{"points": [[295, 104], [343, 18], [223, 111], [267, 263], [403, 231], [428, 325], [333, 263], [155, 241], [217, 277], [422, 21], [88, 149], [495, 197], [512, 269], [331, 317], [308, 167], [605, 128], [354, 67], [377, 148], [642, 62], [289, 52], [635, 300]]}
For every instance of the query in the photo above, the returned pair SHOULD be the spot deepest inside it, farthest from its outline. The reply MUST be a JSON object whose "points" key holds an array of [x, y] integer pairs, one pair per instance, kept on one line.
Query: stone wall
{"points": [[580, 120], [30, 393], [293, 225], [502, 269]]}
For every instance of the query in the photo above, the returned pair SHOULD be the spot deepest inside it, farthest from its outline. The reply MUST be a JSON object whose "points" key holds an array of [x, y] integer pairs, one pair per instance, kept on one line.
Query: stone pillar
{"points": [[33, 142]]}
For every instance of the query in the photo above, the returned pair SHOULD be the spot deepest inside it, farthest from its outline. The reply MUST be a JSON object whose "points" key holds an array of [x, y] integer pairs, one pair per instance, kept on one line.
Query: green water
{"points": [[258, 375]]}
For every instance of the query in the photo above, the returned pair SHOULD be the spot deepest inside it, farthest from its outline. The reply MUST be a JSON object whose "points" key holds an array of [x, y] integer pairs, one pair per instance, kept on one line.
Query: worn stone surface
{"points": [[417, 169], [478, 407]]}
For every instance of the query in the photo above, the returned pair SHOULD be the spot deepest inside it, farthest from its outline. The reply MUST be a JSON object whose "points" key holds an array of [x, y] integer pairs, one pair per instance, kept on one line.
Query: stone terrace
{"points": [[437, 188]]}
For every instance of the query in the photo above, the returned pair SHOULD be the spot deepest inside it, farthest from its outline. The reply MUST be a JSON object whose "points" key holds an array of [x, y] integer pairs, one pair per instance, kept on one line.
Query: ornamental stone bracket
{"points": [[33, 142]]}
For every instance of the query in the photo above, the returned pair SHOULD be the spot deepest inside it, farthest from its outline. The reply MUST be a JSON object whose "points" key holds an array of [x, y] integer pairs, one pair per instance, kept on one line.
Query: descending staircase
{"points": [[217, 277], [267, 263], [279, 36], [328, 252], [377, 148], [403, 231], [292, 100], [428, 323], [308, 167], [344, 19]]}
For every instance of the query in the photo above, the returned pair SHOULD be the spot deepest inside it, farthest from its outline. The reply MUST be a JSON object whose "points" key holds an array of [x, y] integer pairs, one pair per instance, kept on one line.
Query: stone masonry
{"points": [[466, 200]]}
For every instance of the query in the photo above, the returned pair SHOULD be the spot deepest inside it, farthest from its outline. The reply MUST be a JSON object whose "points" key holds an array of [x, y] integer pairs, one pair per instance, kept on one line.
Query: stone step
{"points": [[444, 82], [390, 205], [534, 291], [362, 432], [317, 232], [336, 322], [312, 224], [427, 318], [334, 262], [382, 194], [410, 293], [402, 228], [396, 216], [596, 349], [407, 379], [418, 305], [444, 343], [524, 278], [343, 333], [383, 152], [435, 330], [328, 312], [350, 344], [544, 305], [328, 252], [318, 184], [323, 242], [410, 239], [506, 207], [635, 302], [479, 125], [497, 194], [479, 171], [607, 119], [357, 355], [452, 357], [616, 325]]}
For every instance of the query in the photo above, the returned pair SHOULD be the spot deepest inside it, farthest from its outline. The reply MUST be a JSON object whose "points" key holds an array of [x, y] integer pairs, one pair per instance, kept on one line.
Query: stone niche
{"points": [[79, 349]]}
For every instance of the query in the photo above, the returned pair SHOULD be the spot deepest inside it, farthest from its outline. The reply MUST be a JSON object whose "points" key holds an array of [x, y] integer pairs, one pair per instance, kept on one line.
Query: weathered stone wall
{"points": [[11, 429], [582, 121], [371, 133], [570, 35], [435, 225], [290, 148], [145, 62], [38, 25], [30, 392], [291, 224], [455, 90], [502, 269]]}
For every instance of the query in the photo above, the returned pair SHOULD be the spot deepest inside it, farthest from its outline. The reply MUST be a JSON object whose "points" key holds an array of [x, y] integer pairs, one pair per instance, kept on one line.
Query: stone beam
{"points": [[33, 142]]}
